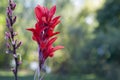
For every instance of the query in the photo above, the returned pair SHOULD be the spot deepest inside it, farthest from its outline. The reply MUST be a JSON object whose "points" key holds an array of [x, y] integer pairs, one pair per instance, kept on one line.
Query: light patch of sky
{"points": [[27, 3], [40, 2], [34, 3], [54, 2], [97, 2], [78, 3], [89, 19]]}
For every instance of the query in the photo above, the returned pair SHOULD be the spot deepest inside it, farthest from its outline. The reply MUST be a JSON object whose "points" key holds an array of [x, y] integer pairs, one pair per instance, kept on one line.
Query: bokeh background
{"points": [[90, 32]]}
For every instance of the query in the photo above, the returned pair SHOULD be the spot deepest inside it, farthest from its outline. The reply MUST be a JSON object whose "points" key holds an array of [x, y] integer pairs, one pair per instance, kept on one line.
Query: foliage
{"points": [[108, 16]]}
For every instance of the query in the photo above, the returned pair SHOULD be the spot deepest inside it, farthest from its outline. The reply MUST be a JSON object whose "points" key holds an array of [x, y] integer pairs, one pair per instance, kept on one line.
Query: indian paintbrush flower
{"points": [[44, 34], [12, 43]]}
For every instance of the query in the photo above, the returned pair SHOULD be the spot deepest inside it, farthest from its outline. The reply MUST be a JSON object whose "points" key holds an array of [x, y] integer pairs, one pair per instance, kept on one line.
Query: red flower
{"points": [[43, 33]]}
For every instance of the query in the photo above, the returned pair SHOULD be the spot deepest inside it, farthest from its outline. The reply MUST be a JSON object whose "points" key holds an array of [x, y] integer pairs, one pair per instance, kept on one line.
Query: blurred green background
{"points": [[90, 32]]}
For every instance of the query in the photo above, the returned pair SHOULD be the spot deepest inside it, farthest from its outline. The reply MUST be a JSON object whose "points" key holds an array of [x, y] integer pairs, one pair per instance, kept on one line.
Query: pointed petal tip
{"points": [[52, 11], [30, 29], [39, 11], [61, 47], [54, 6], [57, 48]]}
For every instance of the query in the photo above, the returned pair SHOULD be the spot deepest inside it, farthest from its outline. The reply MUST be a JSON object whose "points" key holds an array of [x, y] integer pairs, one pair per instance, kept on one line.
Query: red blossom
{"points": [[43, 33]]}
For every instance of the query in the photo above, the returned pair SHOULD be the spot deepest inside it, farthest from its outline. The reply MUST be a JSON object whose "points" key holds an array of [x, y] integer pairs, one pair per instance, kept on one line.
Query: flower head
{"points": [[43, 33]]}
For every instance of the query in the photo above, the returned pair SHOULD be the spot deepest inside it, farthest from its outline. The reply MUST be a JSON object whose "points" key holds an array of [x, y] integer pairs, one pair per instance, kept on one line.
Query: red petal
{"points": [[39, 12], [45, 11], [33, 37], [51, 41], [54, 24], [42, 45], [54, 34], [44, 19], [37, 25], [56, 19], [52, 11], [31, 29], [55, 48], [39, 29]]}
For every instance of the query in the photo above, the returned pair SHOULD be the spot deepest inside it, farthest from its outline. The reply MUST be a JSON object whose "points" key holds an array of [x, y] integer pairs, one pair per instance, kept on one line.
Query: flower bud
{"points": [[8, 22], [8, 45], [13, 42], [14, 20], [9, 12], [15, 33], [7, 35], [13, 6], [19, 44]]}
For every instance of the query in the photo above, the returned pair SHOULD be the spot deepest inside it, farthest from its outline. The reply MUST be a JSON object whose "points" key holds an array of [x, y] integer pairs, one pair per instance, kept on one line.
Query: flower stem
{"points": [[12, 43], [16, 69], [16, 63]]}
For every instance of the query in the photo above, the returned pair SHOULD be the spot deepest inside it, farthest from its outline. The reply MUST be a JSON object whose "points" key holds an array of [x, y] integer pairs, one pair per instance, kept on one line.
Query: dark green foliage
{"points": [[109, 24], [109, 15], [12, 78]]}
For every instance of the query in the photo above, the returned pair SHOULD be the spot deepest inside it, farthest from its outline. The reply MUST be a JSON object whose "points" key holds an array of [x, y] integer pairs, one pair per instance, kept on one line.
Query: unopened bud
{"points": [[14, 20], [13, 42], [15, 33], [8, 22], [19, 44], [9, 12], [8, 45], [13, 6], [7, 35]]}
